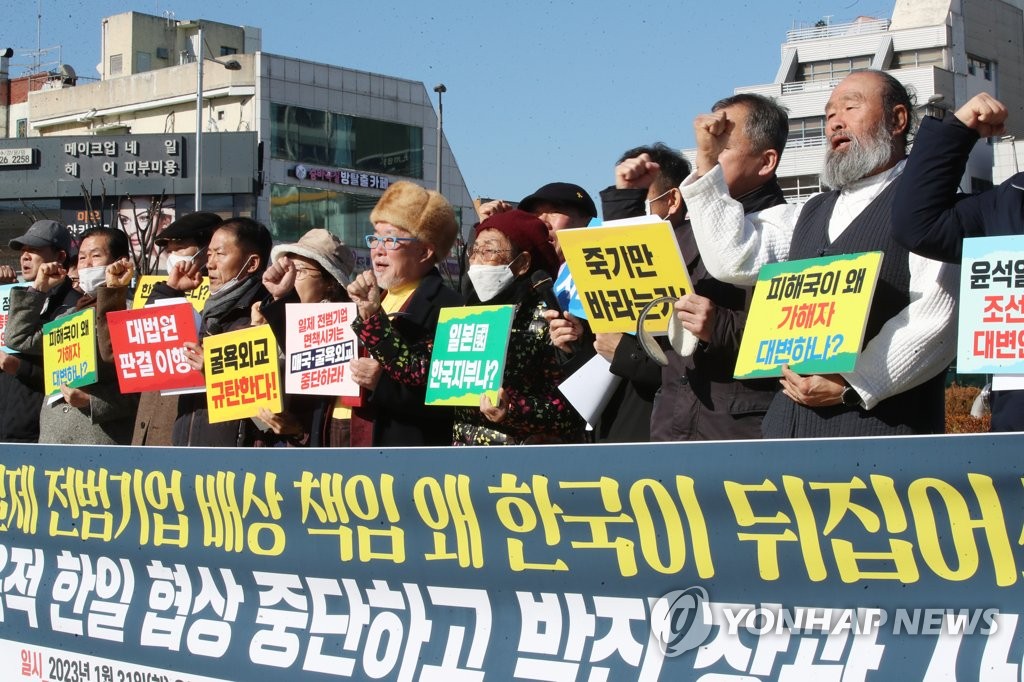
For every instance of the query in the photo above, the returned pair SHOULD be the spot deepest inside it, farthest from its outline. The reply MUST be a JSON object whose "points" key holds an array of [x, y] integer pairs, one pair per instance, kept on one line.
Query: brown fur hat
{"points": [[423, 213]]}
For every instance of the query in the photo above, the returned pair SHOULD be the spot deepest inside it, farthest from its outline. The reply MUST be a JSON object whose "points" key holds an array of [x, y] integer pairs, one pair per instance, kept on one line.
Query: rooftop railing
{"points": [[858, 27]]}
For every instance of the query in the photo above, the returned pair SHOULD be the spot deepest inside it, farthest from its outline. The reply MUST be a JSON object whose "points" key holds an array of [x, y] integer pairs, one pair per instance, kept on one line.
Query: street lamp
{"points": [[440, 89], [232, 65]]}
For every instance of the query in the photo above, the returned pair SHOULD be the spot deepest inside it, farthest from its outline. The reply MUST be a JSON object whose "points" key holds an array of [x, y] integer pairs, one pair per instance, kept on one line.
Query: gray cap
{"points": [[326, 249], [42, 234]]}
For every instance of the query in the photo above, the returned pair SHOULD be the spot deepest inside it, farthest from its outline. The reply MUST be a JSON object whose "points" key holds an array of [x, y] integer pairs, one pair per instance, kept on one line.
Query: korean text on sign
{"points": [[808, 314], [5, 309], [242, 373], [149, 348], [69, 351], [320, 346], [469, 354], [197, 297], [990, 337], [619, 269]]}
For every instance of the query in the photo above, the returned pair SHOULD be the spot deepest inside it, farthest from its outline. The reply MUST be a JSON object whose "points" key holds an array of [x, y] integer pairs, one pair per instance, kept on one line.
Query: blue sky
{"points": [[537, 91]]}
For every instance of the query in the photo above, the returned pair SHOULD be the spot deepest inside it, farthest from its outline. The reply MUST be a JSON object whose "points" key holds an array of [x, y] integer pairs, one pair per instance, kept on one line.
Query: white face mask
{"points": [[490, 280], [90, 278], [649, 202], [173, 259], [233, 282]]}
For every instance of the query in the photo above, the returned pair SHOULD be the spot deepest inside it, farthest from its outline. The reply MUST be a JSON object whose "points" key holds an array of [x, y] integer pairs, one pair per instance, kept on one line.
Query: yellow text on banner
{"points": [[242, 373], [619, 269]]}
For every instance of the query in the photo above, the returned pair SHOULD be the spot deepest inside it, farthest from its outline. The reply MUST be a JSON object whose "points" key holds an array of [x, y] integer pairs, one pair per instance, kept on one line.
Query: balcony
{"points": [[853, 28]]}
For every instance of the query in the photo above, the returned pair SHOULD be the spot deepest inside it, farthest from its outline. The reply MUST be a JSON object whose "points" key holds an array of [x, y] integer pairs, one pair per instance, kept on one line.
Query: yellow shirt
{"points": [[396, 298]]}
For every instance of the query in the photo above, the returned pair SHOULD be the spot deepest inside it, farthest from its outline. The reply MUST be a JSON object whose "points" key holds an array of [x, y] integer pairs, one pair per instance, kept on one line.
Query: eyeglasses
{"points": [[487, 254], [303, 272], [390, 243]]}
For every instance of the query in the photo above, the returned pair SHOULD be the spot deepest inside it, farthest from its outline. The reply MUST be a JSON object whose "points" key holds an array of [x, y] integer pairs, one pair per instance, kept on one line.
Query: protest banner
{"points": [[885, 559], [990, 337], [149, 351], [809, 314], [197, 297], [5, 309], [69, 351], [468, 360], [242, 373], [619, 268], [320, 344]]}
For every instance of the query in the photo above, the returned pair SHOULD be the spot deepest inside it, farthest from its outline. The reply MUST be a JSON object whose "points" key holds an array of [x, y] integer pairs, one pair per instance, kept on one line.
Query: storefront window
{"points": [[338, 140]]}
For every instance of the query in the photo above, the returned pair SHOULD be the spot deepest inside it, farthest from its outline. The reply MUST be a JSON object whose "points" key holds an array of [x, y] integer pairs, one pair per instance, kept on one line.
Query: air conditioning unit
{"points": [[162, 53]]}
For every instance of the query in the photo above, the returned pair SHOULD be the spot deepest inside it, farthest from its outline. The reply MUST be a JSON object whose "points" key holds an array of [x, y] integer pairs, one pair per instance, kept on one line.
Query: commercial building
{"points": [[946, 50], [294, 143]]}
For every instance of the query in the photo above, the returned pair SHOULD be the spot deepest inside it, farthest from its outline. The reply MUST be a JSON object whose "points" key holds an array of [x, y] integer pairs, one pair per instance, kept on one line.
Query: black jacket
{"points": [[192, 426], [396, 408], [699, 399], [930, 217]]}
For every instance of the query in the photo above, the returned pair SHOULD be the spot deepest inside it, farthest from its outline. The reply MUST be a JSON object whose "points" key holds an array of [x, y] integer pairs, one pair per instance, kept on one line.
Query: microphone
{"points": [[542, 283]]}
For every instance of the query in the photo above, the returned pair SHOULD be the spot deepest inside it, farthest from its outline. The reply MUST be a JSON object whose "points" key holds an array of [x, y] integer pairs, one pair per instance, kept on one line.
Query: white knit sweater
{"points": [[911, 347]]}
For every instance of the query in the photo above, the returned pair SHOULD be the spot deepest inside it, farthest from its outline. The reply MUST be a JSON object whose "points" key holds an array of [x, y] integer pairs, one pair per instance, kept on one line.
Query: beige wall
{"points": [[152, 102], [132, 33]]}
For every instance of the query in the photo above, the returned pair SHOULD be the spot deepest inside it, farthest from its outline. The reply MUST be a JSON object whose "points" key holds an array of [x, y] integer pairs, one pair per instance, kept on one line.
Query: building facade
{"points": [[323, 141], [947, 51]]}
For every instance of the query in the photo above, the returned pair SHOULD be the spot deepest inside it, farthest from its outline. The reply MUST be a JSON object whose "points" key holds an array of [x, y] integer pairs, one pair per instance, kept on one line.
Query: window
{"points": [[225, 50], [22, 127], [833, 69], [115, 64], [806, 132], [800, 187], [338, 140], [143, 62], [976, 66], [294, 210], [916, 58]]}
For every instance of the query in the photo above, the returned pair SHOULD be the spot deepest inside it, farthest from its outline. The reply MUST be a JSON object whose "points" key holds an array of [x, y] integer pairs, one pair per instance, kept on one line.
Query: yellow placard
{"points": [[808, 314], [69, 351], [242, 373], [197, 297], [619, 270]]}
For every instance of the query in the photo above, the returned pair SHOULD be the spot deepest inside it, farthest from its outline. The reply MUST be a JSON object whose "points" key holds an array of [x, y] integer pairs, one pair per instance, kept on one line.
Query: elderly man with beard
{"points": [[897, 385]]}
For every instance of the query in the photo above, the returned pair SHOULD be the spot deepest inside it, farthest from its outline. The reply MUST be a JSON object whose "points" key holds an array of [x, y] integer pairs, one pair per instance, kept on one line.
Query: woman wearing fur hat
{"points": [[508, 249], [398, 303], [316, 269]]}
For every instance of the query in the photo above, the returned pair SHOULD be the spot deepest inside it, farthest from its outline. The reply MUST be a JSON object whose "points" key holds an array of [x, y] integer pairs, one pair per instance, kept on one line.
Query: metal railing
{"points": [[859, 27]]}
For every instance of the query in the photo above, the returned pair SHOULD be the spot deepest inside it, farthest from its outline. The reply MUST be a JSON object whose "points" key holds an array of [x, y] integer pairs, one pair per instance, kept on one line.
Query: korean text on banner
{"points": [[242, 373], [469, 354], [197, 297], [808, 314], [69, 351], [320, 344], [990, 336], [149, 350], [5, 309], [619, 269]]}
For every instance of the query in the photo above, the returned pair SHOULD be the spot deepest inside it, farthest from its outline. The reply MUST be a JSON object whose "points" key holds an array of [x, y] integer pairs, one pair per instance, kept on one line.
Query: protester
{"points": [[897, 385], [316, 269], [398, 304], [44, 248], [97, 414], [509, 248], [184, 241], [931, 219], [237, 256]]}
